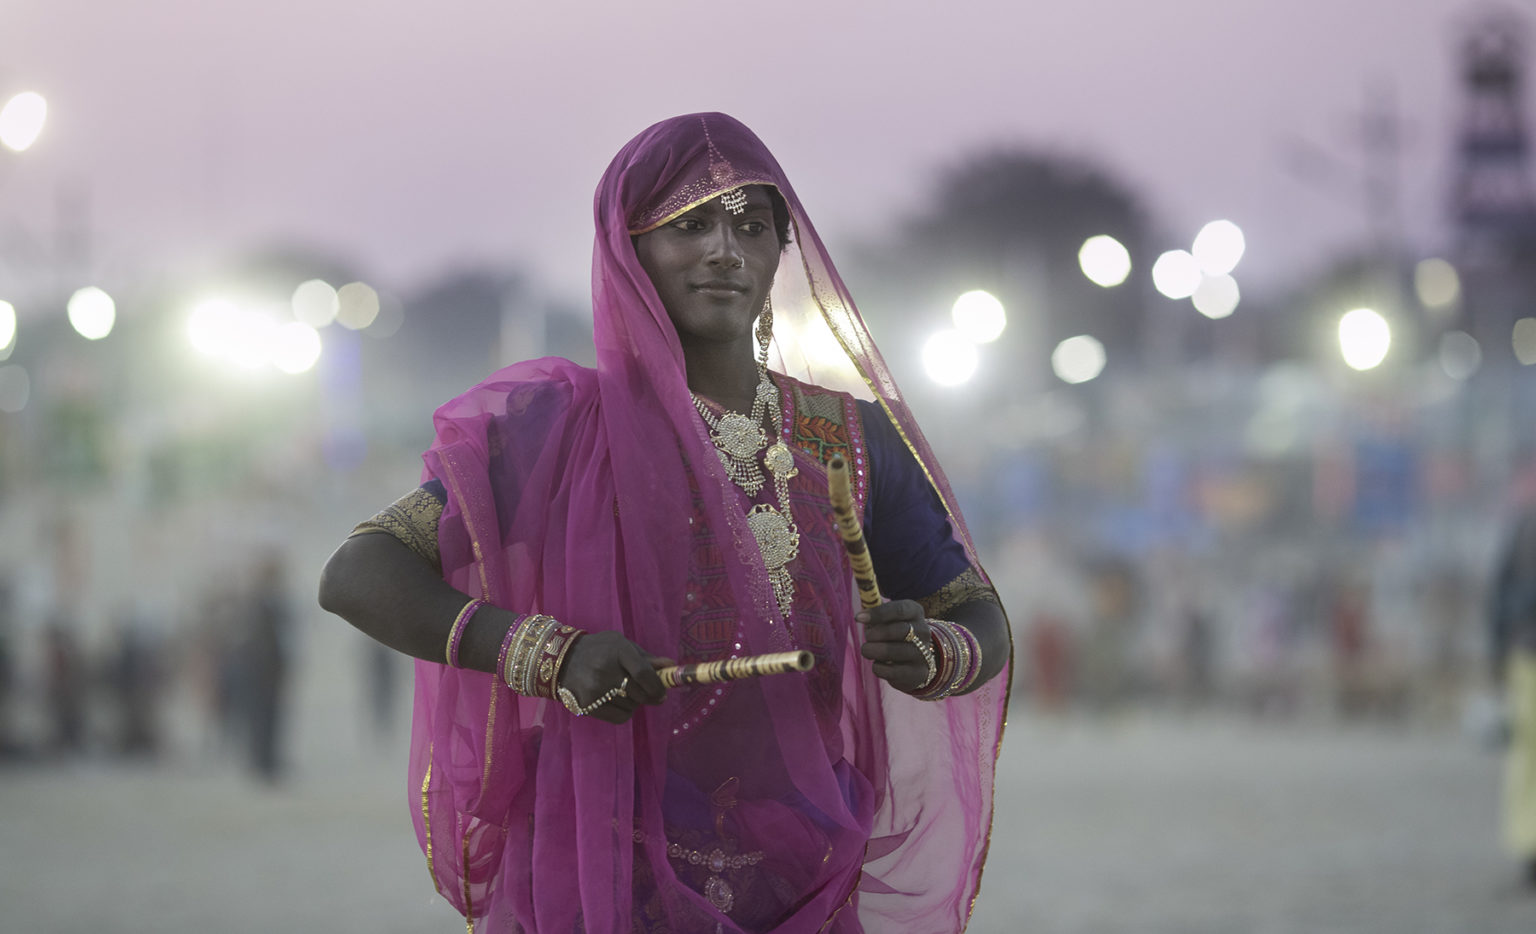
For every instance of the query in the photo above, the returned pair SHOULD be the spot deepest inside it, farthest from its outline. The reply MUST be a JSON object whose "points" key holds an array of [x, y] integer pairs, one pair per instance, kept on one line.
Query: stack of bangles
{"points": [[531, 655], [958, 657]]}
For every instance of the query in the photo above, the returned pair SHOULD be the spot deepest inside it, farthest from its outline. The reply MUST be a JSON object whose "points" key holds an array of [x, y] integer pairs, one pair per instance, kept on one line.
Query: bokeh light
{"points": [[949, 358], [979, 316], [1078, 359], [295, 347], [210, 325], [1176, 274], [391, 317], [15, 387], [22, 119], [1218, 247], [315, 303], [1364, 338], [1525, 341], [1104, 260], [252, 338], [1460, 355], [92, 313], [1436, 282], [1216, 297], [357, 305], [7, 328]]}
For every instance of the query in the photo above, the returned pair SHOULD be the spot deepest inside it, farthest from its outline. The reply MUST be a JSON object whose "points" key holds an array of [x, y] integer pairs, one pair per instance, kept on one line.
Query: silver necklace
{"points": [[739, 439]]}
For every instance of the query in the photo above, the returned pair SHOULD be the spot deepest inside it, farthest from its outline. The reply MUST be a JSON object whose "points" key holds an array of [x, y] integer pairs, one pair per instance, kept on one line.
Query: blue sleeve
{"points": [[911, 544]]}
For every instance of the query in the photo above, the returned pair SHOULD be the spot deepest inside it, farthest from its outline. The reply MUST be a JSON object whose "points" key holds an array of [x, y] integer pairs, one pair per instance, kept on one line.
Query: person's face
{"points": [[713, 269]]}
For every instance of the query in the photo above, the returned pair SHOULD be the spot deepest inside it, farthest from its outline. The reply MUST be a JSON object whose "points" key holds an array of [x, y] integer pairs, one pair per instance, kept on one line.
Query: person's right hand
{"points": [[599, 662]]}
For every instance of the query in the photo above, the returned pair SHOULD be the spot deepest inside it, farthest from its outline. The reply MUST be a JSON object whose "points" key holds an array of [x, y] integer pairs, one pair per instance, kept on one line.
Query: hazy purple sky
{"points": [[407, 136]]}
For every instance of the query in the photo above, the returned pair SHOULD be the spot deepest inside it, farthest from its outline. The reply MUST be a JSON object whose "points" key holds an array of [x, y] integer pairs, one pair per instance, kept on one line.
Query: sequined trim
{"points": [[965, 588], [822, 423], [412, 519]]}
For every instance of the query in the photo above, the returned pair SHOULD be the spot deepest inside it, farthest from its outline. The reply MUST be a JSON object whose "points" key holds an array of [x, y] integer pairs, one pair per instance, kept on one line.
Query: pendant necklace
{"points": [[739, 439]]}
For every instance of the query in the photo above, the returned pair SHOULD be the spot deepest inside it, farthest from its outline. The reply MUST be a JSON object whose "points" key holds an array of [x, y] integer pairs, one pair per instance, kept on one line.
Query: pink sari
{"points": [[795, 803]]}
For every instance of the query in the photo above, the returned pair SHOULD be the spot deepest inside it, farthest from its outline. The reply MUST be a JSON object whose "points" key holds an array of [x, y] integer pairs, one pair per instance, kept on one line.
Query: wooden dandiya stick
{"points": [[735, 669], [841, 493]]}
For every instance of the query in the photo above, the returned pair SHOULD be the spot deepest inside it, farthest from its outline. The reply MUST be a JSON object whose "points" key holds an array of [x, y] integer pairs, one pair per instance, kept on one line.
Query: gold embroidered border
{"points": [[966, 587], [714, 192], [412, 520]]}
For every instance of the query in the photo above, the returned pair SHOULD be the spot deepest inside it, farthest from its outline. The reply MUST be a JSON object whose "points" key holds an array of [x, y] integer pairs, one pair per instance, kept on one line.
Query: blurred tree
{"points": [[1012, 221]]}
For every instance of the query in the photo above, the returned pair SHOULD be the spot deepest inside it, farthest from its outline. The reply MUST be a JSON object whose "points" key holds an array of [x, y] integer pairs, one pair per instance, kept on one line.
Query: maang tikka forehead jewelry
{"points": [[734, 200]]}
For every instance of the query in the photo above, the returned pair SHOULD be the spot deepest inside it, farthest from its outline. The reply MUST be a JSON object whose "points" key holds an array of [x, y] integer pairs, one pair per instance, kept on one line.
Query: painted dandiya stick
{"points": [[735, 669], [840, 491]]}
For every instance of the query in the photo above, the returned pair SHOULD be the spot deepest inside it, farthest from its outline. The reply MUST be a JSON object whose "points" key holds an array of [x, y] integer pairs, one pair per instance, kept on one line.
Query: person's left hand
{"points": [[886, 643]]}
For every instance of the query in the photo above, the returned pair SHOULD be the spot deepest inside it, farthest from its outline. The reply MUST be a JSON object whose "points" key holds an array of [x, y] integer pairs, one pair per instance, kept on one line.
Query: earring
{"points": [[764, 334]]}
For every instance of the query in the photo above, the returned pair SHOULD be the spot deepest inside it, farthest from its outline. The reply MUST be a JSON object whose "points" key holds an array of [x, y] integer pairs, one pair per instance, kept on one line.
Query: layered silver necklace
{"points": [[739, 440]]}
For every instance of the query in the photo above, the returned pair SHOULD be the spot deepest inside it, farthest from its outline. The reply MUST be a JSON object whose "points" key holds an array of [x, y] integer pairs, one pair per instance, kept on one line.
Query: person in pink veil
{"points": [[576, 529]]}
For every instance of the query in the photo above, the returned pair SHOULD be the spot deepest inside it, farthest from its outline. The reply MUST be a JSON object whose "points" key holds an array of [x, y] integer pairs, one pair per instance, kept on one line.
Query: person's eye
{"points": [[688, 223], [754, 227]]}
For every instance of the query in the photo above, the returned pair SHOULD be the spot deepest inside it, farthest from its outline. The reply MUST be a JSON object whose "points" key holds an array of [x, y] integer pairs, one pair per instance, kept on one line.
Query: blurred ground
{"points": [[1151, 825]]}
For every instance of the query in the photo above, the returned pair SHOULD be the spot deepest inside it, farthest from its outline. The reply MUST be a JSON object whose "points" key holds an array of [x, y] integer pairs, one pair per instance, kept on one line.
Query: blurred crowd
{"points": [[217, 682]]}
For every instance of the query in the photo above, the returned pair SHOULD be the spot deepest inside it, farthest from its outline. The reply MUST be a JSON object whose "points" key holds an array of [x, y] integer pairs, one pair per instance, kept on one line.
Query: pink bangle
{"points": [[456, 633]]}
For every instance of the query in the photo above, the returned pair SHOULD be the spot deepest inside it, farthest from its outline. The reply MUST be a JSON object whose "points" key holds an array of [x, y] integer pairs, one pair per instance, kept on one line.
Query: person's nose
{"points": [[725, 248]]}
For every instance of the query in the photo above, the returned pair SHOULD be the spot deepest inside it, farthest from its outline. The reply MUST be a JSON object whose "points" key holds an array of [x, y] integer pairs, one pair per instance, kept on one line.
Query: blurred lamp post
{"points": [[1104, 260], [92, 313], [7, 330], [979, 316], [949, 358], [1177, 274], [1078, 359], [22, 119], [1218, 247], [1364, 338]]}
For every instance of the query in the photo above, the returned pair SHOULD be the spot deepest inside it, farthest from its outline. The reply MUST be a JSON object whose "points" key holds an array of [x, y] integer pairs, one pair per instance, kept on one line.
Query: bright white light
{"points": [[1364, 338], [1078, 359], [251, 338], [1460, 355], [979, 316], [210, 326], [1436, 282], [15, 387], [22, 119], [1176, 274], [315, 303], [1218, 246], [7, 325], [1104, 260], [358, 305], [92, 313], [1216, 297], [1525, 341], [950, 358], [295, 347]]}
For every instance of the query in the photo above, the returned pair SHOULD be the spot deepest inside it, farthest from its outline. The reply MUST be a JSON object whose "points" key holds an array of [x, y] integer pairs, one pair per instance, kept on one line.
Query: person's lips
{"points": [[721, 287]]}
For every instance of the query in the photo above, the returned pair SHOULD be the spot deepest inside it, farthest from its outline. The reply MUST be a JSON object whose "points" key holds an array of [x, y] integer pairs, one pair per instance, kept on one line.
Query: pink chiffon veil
{"points": [[568, 489]]}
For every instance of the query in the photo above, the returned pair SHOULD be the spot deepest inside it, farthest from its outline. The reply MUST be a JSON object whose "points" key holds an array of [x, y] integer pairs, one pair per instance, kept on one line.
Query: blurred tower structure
{"points": [[1494, 200]]}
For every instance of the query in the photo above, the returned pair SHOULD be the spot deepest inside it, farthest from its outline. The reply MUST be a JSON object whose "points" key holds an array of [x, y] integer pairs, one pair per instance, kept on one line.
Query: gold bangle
{"points": [[456, 631]]}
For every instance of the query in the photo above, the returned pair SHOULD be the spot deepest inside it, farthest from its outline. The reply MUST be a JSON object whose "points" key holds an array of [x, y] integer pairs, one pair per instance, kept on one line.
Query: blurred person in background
{"points": [[134, 677], [67, 684], [265, 657], [8, 746], [1512, 631], [672, 504]]}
